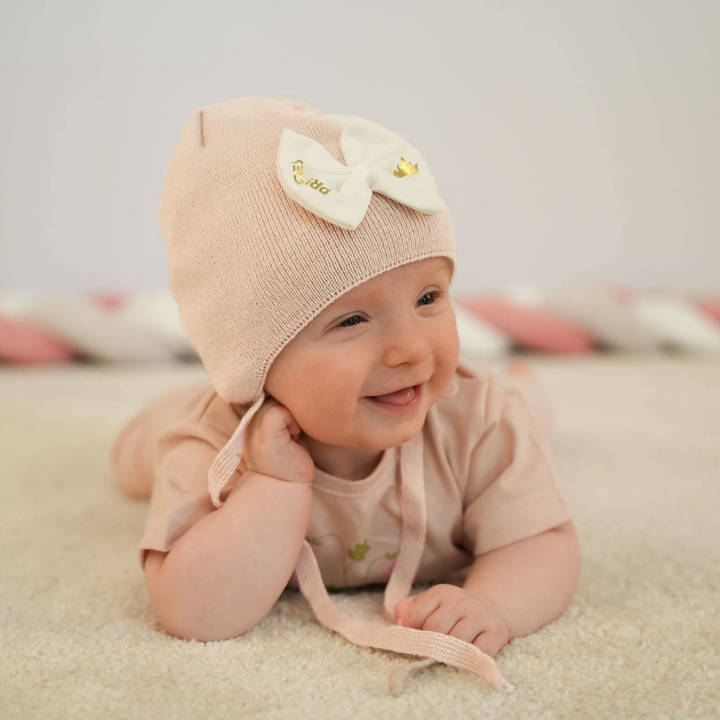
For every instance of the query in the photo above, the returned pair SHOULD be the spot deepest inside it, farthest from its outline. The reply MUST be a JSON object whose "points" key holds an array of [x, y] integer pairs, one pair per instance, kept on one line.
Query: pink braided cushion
{"points": [[21, 342], [531, 327]]}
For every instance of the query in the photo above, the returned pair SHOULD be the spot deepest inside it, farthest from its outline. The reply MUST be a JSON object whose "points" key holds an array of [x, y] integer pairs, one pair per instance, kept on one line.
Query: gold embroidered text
{"points": [[314, 183]]}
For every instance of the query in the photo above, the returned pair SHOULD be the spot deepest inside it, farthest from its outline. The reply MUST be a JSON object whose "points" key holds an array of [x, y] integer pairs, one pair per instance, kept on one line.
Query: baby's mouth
{"points": [[399, 401], [399, 397]]}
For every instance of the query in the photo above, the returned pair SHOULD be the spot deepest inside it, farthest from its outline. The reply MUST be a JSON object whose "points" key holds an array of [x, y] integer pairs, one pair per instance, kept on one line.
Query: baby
{"points": [[343, 441]]}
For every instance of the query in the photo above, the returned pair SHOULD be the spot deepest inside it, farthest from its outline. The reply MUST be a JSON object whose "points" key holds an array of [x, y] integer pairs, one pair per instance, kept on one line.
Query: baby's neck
{"points": [[347, 463]]}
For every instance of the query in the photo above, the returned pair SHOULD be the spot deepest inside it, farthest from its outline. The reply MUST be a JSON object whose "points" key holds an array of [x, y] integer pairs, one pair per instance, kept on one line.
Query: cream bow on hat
{"points": [[377, 160]]}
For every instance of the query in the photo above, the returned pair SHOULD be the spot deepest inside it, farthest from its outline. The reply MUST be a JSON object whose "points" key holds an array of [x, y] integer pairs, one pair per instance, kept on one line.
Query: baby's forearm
{"points": [[227, 571], [531, 581]]}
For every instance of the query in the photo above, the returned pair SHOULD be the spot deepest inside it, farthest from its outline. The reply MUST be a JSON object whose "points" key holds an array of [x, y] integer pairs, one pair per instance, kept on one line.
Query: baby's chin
{"points": [[358, 450], [377, 438]]}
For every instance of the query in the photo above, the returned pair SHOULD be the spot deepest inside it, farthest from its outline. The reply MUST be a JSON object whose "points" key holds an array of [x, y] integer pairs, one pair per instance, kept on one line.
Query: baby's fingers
{"points": [[279, 420], [490, 642], [401, 610], [414, 611], [477, 632]]}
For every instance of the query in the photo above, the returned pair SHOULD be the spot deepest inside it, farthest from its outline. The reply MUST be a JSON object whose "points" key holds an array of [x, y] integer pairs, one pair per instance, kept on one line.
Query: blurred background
{"points": [[576, 144]]}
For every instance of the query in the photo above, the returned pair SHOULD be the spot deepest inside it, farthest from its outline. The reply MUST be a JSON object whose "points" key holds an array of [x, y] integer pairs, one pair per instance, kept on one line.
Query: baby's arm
{"points": [[510, 592], [226, 572], [531, 581]]}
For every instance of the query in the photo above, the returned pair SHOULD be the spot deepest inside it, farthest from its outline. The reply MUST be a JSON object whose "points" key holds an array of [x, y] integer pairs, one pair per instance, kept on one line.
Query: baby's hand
{"points": [[272, 445], [457, 612]]}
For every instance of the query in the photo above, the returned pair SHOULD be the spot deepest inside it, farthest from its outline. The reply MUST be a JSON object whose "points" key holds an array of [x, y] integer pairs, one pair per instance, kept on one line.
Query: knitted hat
{"points": [[250, 265], [271, 209]]}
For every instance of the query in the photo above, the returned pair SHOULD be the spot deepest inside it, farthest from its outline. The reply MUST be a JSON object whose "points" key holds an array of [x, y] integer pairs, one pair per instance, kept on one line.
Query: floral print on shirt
{"points": [[358, 554]]}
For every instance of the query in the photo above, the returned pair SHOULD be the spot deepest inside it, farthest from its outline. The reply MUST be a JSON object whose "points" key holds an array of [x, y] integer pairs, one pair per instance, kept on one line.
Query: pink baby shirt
{"points": [[489, 479]]}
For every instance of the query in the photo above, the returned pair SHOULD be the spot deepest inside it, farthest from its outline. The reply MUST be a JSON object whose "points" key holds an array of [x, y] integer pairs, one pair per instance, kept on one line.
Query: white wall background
{"points": [[575, 141]]}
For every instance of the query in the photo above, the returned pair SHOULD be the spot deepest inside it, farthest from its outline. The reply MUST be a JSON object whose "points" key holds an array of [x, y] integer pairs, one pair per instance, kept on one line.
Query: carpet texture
{"points": [[637, 443]]}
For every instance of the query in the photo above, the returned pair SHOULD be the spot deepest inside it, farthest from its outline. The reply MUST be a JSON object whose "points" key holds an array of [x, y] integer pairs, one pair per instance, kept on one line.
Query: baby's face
{"points": [[395, 330]]}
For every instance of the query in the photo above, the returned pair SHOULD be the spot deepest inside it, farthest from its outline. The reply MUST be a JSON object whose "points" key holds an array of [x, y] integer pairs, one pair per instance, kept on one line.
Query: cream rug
{"points": [[637, 442]]}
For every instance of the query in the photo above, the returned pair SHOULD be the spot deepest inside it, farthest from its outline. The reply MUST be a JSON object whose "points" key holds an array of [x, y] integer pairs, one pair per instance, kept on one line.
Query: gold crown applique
{"points": [[314, 183], [405, 168]]}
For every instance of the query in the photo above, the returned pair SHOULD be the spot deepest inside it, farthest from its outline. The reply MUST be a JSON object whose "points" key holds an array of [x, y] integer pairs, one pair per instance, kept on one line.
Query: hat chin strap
{"points": [[227, 460], [434, 646]]}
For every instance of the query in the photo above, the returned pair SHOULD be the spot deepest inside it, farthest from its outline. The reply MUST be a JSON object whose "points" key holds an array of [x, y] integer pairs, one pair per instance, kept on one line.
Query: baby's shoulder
{"points": [[466, 392], [473, 399], [201, 415]]}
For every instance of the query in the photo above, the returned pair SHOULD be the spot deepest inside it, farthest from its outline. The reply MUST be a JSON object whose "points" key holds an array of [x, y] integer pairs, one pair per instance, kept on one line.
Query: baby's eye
{"points": [[432, 294], [342, 324]]}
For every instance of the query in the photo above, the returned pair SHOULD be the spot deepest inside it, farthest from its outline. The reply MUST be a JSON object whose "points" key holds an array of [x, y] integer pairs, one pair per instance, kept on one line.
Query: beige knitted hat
{"points": [[250, 266], [271, 209]]}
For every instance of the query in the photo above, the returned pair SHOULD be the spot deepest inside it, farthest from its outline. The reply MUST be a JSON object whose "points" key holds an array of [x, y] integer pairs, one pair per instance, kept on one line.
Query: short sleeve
{"points": [[180, 496], [512, 490]]}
